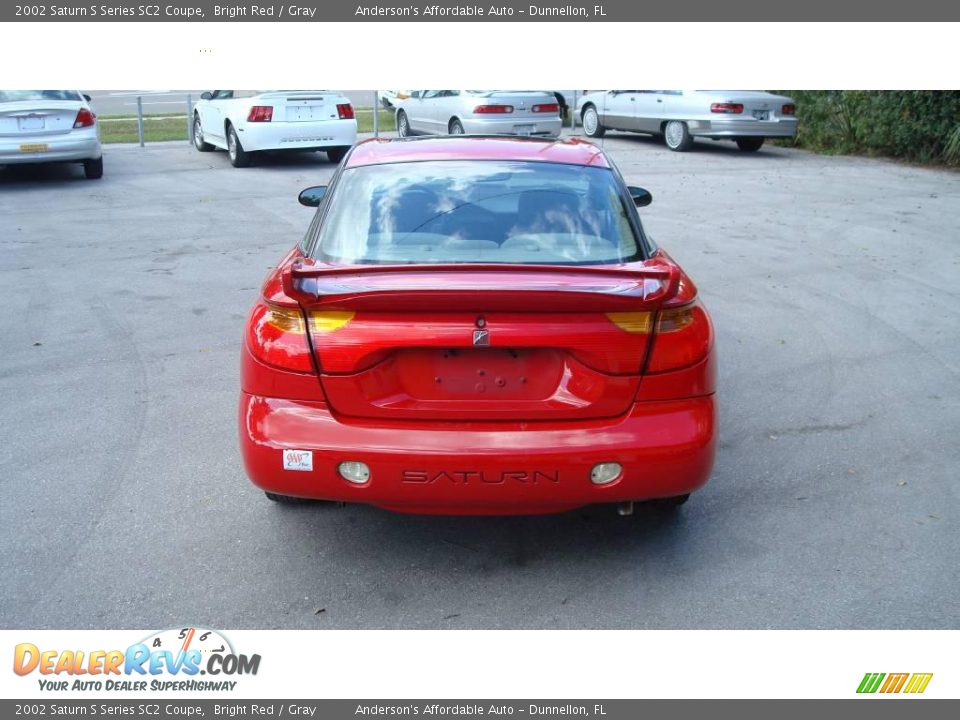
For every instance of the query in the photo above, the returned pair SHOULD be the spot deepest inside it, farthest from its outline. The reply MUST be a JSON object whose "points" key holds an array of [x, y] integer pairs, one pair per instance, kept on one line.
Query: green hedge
{"points": [[918, 125]]}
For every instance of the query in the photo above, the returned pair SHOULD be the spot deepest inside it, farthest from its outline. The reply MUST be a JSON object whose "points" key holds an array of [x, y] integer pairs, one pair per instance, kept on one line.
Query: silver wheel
{"points": [[591, 121], [232, 146], [456, 128], [403, 125], [198, 142], [676, 135]]}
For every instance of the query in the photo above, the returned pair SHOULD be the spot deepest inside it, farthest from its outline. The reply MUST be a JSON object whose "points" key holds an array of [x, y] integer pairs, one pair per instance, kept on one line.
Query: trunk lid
{"points": [[523, 102], [38, 117], [480, 342], [302, 106]]}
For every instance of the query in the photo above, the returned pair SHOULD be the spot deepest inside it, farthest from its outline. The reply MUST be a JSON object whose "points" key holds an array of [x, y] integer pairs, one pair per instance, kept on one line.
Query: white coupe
{"points": [[244, 122]]}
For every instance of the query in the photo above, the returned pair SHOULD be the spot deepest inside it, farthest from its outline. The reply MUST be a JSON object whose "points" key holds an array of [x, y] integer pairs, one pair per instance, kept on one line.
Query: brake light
{"points": [[789, 109], [683, 337], [727, 108], [277, 335], [260, 113], [546, 108], [345, 111], [85, 118], [493, 109]]}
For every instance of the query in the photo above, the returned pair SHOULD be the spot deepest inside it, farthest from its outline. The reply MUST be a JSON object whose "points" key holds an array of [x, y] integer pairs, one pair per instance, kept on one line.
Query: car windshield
{"points": [[19, 95], [477, 212]]}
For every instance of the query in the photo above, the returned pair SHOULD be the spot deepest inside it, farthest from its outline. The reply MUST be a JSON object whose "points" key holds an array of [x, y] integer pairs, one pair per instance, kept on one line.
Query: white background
{"points": [[563, 54]]}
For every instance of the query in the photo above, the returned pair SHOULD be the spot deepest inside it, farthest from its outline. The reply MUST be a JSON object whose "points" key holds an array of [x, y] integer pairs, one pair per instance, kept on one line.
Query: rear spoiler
{"points": [[481, 286]]}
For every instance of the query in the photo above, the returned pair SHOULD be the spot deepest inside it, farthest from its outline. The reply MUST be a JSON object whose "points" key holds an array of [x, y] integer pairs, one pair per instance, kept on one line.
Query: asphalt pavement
{"points": [[834, 284]]}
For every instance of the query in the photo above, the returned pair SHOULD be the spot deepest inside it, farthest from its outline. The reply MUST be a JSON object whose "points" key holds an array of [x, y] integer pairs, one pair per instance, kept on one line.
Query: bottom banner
{"points": [[599, 709]]}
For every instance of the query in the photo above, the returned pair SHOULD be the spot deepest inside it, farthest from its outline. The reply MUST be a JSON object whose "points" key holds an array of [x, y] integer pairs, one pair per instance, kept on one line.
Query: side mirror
{"points": [[87, 98], [641, 197], [206, 96], [312, 196]]}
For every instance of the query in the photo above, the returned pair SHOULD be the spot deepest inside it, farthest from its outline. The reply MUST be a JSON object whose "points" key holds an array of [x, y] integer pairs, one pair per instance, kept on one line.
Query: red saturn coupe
{"points": [[478, 325]]}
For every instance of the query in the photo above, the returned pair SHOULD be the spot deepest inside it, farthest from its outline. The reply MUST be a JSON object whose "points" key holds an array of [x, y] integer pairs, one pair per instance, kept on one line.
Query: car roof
{"points": [[566, 151]]}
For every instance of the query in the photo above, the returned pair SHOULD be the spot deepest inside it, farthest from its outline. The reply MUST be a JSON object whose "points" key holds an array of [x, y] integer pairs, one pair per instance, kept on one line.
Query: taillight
{"points": [[260, 113], [326, 321], [277, 335], [493, 109], [85, 118], [345, 111], [727, 108], [632, 322], [682, 338], [788, 109], [546, 108]]}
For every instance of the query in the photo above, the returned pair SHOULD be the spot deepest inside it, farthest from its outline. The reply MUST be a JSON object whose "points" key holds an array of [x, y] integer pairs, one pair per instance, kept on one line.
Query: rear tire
{"points": [[287, 499], [675, 501], [239, 157], [677, 136], [198, 141], [456, 127], [403, 124], [750, 144], [93, 169], [336, 154], [591, 122]]}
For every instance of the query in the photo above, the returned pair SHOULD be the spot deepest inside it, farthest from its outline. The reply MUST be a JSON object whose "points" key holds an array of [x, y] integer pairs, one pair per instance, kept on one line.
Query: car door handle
{"points": [[659, 100]]}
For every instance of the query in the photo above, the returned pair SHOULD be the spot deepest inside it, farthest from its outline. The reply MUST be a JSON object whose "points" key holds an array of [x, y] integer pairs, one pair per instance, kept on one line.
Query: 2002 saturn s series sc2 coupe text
{"points": [[478, 325]]}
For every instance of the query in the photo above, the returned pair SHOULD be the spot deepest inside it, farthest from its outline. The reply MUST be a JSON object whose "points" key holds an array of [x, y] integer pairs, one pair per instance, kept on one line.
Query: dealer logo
{"points": [[167, 660]]}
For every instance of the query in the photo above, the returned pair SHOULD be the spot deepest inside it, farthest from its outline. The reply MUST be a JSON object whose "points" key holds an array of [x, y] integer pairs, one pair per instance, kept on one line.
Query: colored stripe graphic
{"points": [[894, 683], [918, 683], [870, 682]]}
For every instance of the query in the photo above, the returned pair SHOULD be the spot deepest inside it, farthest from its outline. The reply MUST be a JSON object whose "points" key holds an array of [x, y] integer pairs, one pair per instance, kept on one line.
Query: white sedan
{"points": [[746, 117], [478, 112], [49, 126], [244, 122]]}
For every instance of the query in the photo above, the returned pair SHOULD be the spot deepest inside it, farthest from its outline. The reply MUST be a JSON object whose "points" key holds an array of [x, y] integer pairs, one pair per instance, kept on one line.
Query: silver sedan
{"points": [[747, 117], [49, 126], [486, 112]]}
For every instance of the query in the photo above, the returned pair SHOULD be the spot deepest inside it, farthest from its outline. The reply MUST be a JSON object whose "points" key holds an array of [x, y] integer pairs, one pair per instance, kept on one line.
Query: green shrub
{"points": [[919, 125]]}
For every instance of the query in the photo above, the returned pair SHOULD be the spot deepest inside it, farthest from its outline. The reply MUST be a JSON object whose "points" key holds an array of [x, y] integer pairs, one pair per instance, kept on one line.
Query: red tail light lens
{"points": [[260, 113], [345, 111], [727, 108], [493, 109], [788, 109], [547, 108], [85, 118], [277, 335], [682, 338]]}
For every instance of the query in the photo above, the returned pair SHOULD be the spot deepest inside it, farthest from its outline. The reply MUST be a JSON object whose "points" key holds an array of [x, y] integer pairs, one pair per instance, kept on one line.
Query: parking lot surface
{"points": [[834, 284]]}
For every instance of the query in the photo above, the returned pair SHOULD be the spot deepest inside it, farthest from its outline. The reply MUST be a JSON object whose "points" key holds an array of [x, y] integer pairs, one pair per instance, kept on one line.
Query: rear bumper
{"points": [[666, 448], [744, 127], [298, 135], [76, 146]]}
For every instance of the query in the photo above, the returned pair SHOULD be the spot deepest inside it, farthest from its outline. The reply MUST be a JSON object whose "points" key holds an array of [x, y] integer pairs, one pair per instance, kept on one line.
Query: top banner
{"points": [[498, 11]]}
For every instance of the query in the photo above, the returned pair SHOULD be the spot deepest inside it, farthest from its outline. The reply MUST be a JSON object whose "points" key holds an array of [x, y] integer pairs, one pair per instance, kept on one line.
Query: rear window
{"points": [[477, 212], [18, 95]]}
